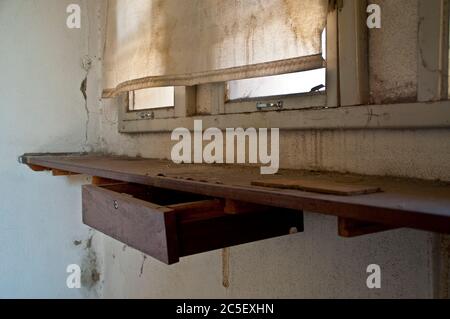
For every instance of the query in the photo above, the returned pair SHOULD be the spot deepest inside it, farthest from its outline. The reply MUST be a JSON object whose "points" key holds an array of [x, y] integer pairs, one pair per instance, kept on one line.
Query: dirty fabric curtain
{"points": [[153, 43]]}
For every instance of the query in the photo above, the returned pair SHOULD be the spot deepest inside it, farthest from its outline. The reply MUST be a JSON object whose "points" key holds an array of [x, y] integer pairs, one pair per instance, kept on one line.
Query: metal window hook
{"points": [[263, 105]]}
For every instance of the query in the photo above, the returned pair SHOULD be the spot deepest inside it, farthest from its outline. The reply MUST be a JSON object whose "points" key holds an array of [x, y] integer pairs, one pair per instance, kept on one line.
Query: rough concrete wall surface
{"points": [[393, 52], [42, 109], [313, 264]]}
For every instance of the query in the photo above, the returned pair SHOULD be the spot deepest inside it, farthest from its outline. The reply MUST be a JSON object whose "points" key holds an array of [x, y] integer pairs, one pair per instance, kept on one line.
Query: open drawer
{"points": [[168, 224]]}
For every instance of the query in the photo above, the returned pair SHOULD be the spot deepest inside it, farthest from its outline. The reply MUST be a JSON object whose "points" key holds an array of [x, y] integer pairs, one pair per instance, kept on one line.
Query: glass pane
{"points": [[292, 83], [284, 84], [152, 98]]}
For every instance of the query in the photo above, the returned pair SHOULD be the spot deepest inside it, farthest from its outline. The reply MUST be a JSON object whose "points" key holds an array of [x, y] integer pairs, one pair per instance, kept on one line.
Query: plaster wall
{"points": [[42, 110], [316, 263]]}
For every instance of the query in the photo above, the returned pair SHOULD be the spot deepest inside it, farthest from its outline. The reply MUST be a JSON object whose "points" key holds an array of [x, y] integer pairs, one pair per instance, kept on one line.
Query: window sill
{"points": [[387, 116]]}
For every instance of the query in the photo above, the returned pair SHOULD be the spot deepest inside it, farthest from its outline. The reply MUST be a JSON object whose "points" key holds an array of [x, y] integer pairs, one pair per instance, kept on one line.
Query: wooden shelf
{"points": [[407, 203]]}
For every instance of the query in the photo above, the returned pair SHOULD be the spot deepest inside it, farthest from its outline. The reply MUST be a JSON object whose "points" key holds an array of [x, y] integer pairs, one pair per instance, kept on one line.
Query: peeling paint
{"points": [[226, 268], [90, 274], [86, 64], [391, 81]]}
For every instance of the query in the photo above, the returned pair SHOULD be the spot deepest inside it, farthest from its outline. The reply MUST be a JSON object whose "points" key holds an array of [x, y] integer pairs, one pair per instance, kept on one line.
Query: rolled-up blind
{"points": [[153, 43]]}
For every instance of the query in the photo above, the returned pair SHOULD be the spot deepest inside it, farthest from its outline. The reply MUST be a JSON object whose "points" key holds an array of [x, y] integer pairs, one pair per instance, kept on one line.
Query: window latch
{"points": [[261, 105], [146, 115]]}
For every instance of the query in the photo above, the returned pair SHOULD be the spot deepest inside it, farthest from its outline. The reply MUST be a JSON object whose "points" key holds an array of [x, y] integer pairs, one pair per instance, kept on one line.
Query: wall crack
{"points": [[86, 64]]}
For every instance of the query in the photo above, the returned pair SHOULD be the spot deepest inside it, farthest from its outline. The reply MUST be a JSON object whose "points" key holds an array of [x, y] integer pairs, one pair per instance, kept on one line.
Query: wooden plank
{"points": [[318, 186], [144, 226], [353, 228], [408, 203]]}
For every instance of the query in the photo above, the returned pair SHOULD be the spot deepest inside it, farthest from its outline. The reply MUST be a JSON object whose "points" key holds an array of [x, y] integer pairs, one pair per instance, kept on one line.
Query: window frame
{"points": [[132, 105], [347, 93], [289, 102], [189, 100], [184, 106]]}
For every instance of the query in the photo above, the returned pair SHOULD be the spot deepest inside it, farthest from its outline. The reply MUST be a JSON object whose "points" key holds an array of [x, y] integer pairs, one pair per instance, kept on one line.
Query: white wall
{"points": [[41, 110]]}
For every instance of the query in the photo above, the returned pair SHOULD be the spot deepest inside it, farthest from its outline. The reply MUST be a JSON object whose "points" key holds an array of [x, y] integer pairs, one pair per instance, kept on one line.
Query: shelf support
{"points": [[349, 228]]}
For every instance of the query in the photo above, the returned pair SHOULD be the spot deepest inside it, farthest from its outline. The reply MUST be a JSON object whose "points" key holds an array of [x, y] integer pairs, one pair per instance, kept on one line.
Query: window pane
{"points": [[284, 84], [292, 83], [152, 98]]}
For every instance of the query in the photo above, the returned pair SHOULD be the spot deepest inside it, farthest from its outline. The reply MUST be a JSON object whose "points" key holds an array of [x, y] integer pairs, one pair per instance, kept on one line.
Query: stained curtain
{"points": [[154, 43]]}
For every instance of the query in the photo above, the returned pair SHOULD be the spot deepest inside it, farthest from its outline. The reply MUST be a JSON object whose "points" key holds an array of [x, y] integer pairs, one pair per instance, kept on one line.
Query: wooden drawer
{"points": [[167, 224]]}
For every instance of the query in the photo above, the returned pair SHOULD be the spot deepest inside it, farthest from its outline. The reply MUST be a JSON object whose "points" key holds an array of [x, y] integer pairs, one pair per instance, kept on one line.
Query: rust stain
{"points": [[291, 7], [226, 267], [90, 275], [294, 10], [251, 27]]}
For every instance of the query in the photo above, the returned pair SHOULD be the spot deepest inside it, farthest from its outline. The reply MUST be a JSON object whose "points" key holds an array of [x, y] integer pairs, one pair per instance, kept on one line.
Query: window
{"points": [[277, 85], [152, 98], [220, 101], [285, 84], [139, 108]]}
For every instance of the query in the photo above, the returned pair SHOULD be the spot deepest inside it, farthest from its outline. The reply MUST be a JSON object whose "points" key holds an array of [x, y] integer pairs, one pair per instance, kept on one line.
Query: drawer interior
{"points": [[155, 195]]}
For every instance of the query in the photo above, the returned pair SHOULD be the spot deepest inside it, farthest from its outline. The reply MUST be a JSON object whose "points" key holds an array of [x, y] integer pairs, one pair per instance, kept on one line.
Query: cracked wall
{"points": [[393, 53], [43, 110]]}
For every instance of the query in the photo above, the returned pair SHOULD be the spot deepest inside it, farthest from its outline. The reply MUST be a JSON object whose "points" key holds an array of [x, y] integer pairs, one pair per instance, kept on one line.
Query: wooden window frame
{"points": [[183, 106], [344, 105]]}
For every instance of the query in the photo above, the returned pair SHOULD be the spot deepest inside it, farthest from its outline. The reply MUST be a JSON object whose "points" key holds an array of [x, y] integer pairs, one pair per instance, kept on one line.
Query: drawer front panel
{"points": [[198, 236], [144, 226]]}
